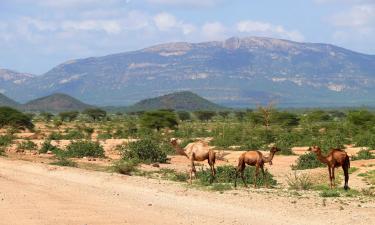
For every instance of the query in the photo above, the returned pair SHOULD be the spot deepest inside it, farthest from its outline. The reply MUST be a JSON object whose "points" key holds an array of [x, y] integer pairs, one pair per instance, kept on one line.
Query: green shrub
{"points": [[299, 182], [55, 136], [73, 134], [47, 146], [365, 140], [363, 154], [2, 151], [84, 149], [144, 150], [330, 193], [27, 145], [64, 162], [14, 118], [6, 140], [307, 161], [104, 136], [227, 174], [126, 167]]}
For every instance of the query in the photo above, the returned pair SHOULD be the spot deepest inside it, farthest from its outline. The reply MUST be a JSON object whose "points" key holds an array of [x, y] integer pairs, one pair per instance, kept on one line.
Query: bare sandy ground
{"points": [[33, 193]]}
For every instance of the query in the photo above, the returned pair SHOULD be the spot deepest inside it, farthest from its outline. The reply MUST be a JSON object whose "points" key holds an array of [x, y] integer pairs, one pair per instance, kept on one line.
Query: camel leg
{"points": [[192, 169], [243, 177], [346, 174], [256, 175], [333, 177], [330, 177], [264, 177]]}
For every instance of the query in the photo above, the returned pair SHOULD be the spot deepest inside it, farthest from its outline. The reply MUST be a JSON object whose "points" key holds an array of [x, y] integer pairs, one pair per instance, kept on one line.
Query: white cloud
{"points": [[214, 31], [109, 26], [357, 16], [165, 22], [267, 29]]}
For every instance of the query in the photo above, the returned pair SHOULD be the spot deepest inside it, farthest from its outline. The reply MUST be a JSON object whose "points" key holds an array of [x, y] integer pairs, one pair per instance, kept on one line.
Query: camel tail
{"points": [[211, 157]]}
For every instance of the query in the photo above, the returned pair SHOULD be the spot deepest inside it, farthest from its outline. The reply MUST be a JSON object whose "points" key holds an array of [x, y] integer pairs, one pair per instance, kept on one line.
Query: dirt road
{"points": [[32, 193]]}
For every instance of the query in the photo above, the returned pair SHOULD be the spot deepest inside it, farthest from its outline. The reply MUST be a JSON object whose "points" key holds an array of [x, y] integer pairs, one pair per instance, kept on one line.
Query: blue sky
{"points": [[36, 35]]}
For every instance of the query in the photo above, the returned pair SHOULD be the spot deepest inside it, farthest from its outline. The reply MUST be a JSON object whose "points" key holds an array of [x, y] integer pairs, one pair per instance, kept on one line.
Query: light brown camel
{"points": [[334, 159], [197, 151], [253, 158]]}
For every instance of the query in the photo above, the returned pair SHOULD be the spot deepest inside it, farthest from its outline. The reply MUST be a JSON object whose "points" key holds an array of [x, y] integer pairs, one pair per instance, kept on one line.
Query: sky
{"points": [[36, 35]]}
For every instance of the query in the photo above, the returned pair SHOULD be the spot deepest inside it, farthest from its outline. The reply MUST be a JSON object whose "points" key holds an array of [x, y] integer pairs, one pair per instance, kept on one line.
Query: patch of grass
{"points": [[363, 154], [6, 140], [173, 175], [299, 182], [126, 167], [221, 187], [353, 169], [226, 174], [84, 148], [307, 161], [330, 193], [64, 162], [26, 145], [369, 176]]}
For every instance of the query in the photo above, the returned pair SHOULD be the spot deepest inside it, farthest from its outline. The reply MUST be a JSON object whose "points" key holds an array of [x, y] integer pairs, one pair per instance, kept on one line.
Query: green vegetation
{"points": [[299, 182], [95, 114], [144, 150], [330, 193], [15, 119], [6, 140], [64, 162], [26, 145], [126, 167], [47, 146], [307, 161], [69, 115], [84, 148], [159, 119], [363, 154]]}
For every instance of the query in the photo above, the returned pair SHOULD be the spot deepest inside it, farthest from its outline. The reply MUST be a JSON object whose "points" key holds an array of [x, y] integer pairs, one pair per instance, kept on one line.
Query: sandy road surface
{"points": [[32, 193]]}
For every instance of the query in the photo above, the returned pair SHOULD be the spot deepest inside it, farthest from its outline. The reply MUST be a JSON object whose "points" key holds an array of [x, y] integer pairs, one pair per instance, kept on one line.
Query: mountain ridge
{"points": [[236, 72]]}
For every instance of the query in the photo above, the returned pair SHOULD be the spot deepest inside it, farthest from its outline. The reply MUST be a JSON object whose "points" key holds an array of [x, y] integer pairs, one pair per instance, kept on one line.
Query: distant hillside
{"points": [[237, 72], [5, 101], [55, 103], [184, 101]]}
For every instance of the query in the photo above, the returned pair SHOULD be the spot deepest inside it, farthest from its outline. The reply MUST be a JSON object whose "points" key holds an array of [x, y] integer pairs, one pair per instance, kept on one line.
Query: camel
{"points": [[197, 151], [334, 159], [253, 158]]}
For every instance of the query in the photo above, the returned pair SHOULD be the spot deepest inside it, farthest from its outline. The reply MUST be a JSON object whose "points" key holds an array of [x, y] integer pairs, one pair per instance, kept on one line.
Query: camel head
{"points": [[315, 149], [174, 141], [275, 149]]}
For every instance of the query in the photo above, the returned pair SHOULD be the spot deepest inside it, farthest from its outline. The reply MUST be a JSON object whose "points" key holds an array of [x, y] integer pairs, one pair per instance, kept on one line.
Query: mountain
{"points": [[179, 101], [5, 101], [55, 103], [11, 80], [235, 72]]}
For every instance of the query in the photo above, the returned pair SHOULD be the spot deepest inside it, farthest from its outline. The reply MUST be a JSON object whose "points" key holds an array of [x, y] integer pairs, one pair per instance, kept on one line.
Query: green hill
{"points": [[55, 103], [5, 101], [179, 101]]}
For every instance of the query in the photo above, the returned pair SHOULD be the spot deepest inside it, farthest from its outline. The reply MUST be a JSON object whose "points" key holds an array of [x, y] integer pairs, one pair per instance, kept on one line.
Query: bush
{"points": [[27, 145], [47, 146], [55, 136], [299, 182], [330, 193], [84, 149], [73, 134], [159, 119], [126, 167], [95, 114], [144, 150], [365, 140], [307, 161], [14, 118], [227, 174], [64, 162], [5, 140], [363, 154], [104, 136]]}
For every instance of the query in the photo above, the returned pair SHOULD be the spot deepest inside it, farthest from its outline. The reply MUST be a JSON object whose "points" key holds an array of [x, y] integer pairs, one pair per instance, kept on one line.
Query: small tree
{"points": [[14, 119], [204, 115], [159, 119], [285, 119], [183, 115], [96, 114], [69, 115], [361, 118], [46, 116]]}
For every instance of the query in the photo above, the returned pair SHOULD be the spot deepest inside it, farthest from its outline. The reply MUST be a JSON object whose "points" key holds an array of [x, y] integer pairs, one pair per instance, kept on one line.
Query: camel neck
{"points": [[268, 158], [321, 157], [180, 150]]}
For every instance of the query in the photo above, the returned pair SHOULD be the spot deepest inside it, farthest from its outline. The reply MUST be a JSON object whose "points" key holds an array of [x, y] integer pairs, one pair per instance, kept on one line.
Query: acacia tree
{"points": [[159, 119], [69, 115], [96, 114], [15, 119]]}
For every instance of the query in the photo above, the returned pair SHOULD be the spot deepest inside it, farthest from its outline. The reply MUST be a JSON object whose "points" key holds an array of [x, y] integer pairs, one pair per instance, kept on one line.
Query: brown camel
{"points": [[253, 158], [334, 159], [197, 151]]}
